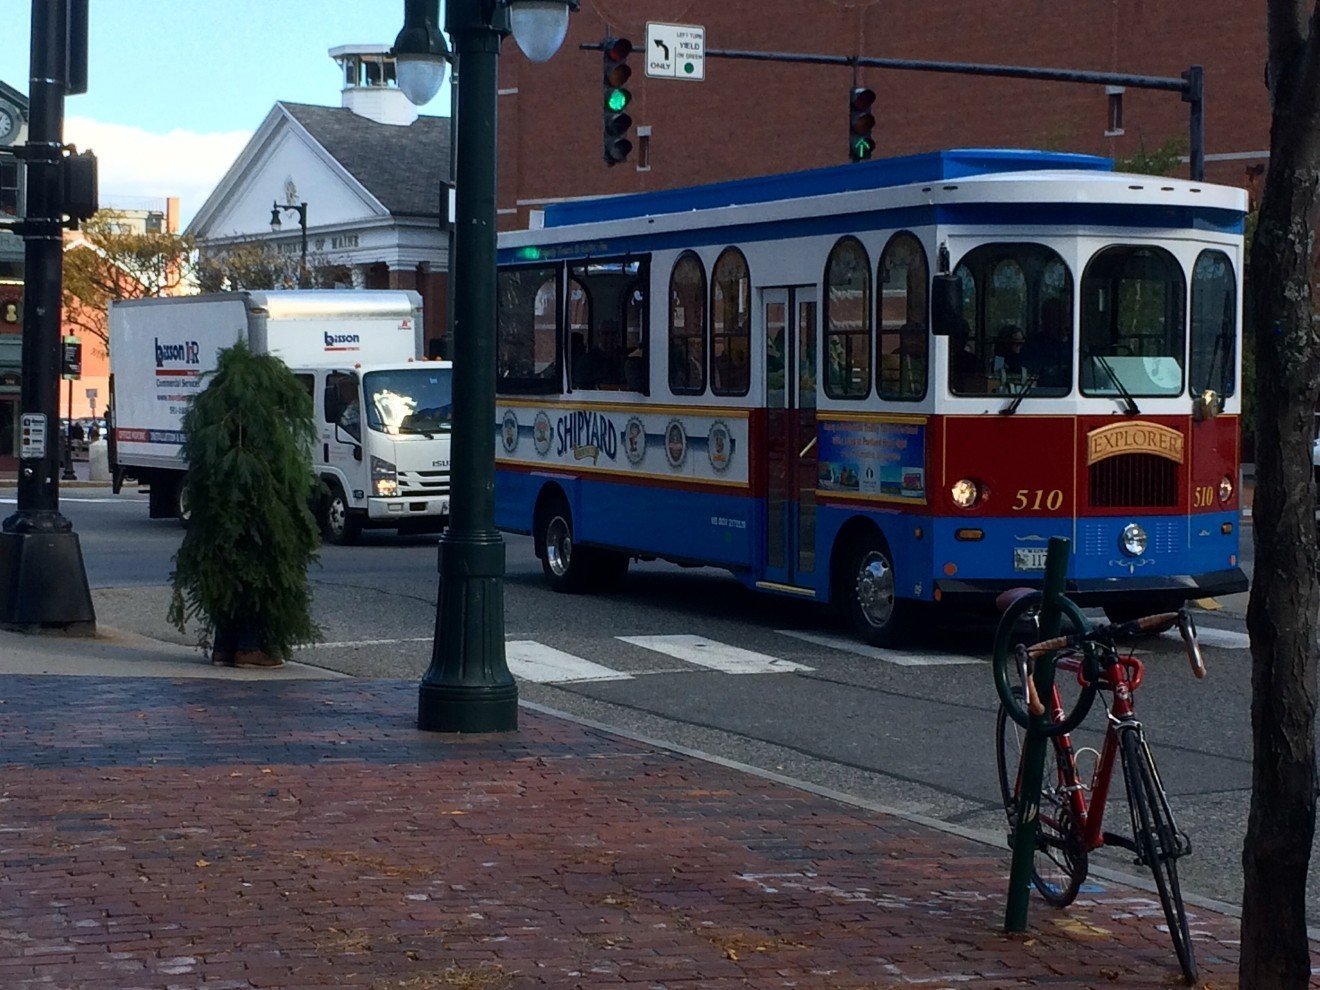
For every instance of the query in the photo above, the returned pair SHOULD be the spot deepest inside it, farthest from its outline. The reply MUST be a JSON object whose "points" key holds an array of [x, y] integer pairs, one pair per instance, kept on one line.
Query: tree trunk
{"points": [[1285, 591]]}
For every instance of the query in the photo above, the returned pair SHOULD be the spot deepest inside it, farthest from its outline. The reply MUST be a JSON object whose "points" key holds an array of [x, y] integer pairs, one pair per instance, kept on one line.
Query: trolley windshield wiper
{"points": [[1128, 401], [1027, 386]]}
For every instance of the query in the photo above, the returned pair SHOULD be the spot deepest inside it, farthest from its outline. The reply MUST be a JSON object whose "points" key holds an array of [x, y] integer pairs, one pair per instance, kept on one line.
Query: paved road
{"points": [[691, 657]]}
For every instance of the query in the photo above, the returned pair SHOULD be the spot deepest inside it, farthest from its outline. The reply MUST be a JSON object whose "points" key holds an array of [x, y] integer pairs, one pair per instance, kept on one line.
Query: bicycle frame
{"points": [[1121, 677]]}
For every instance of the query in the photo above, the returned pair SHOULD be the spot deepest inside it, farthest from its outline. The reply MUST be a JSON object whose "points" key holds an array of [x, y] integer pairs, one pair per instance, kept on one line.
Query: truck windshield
{"points": [[409, 400]]}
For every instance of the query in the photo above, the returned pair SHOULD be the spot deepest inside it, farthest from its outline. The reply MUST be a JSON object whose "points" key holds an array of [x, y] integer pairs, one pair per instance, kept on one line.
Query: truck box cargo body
{"points": [[382, 414]]}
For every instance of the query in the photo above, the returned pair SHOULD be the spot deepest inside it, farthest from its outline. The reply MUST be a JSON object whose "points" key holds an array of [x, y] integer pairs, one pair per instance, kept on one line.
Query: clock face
{"points": [[8, 126]]}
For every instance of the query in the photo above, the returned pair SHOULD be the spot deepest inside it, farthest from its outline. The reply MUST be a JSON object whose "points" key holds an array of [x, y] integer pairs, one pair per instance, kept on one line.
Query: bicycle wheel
{"points": [[1060, 863], [1158, 841]]}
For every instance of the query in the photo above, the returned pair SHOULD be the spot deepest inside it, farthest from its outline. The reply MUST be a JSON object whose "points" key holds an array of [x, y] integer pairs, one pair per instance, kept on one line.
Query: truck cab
{"points": [[384, 446]]}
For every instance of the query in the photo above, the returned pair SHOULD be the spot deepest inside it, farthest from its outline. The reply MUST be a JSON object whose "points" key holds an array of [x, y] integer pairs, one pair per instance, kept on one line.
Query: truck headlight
{"points": [[965, 493], [1225, 488], [384, 477], [1134, 540]]}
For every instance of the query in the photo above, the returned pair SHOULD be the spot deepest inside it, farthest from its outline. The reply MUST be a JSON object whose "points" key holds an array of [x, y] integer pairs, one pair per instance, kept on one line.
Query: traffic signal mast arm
{"points": [[1190, 85]]}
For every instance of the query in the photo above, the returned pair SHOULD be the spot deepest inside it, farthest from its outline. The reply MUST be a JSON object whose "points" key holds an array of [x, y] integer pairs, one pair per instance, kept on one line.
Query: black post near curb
{"points": [[1033, 748], [43, 582]]}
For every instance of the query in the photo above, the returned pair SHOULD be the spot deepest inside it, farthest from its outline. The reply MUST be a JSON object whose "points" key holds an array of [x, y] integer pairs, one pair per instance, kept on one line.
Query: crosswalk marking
{"points": [[533, 661], [902, 658], [717, 656]]}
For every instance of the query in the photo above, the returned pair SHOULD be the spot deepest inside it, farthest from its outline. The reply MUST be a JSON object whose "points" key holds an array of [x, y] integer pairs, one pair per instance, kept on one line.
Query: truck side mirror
{"points": [[945, 304]]}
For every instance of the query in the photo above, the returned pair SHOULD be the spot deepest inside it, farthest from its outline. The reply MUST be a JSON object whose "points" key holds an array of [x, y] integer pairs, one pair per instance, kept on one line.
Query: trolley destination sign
{"points": [[676, 51]]}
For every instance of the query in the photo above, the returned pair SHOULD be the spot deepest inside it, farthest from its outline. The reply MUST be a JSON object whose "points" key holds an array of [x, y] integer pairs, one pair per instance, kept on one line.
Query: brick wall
{"points": [[751, 118]]}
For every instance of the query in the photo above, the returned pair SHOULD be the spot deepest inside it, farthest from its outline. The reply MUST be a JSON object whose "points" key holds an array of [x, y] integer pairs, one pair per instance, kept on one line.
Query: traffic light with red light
{"points": [[617, 122], [860, 122]]}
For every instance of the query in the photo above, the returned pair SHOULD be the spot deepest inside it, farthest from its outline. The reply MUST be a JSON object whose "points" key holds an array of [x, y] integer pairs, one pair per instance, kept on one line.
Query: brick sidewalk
{"points": [[209, 834]]}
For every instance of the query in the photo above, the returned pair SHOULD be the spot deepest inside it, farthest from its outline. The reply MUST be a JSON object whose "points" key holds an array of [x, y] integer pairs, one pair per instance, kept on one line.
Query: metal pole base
{"points": [[468, 687], [43, 584], [456, 708]]}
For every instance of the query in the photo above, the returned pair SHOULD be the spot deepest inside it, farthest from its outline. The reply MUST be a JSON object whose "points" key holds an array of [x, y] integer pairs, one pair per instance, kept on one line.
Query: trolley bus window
{"points": [[730, 325], [687, 326], [1015, 331], [848, 321], [528, 330], [1133, 322], [607, 325], [1214, 323], [902, 319]]}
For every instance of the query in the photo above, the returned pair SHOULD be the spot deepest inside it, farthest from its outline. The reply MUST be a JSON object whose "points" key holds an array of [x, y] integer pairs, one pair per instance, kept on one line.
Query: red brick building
{"points": [[753, 118]]}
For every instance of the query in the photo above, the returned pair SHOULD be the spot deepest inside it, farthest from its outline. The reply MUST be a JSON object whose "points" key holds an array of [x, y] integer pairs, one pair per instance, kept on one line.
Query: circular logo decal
{"points": [[509, 431], [719, 446], [541, 433], [675, 444], [634, 440]]}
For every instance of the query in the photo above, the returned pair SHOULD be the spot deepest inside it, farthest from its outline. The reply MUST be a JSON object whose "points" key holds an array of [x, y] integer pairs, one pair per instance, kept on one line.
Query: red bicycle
{"points": [[1071, 809]]}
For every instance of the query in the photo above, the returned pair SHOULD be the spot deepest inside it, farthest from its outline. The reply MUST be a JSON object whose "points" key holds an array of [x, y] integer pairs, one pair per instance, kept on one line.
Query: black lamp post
{"points": [[275, 225], [43, 583], [468, 687]]}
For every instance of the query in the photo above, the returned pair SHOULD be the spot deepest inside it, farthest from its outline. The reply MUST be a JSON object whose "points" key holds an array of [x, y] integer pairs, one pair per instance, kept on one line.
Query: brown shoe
{"points": [[256, 658], [222, 658]]}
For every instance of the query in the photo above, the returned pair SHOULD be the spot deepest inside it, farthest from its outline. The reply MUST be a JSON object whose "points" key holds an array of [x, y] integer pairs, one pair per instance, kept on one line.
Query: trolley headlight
{"points": [[384, 477], [965, 493], [1225, 489], [1134, 540]]}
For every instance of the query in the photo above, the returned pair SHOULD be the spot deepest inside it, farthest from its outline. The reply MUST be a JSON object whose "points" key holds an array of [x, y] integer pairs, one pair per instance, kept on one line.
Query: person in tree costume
{"points": [[241, 571]]}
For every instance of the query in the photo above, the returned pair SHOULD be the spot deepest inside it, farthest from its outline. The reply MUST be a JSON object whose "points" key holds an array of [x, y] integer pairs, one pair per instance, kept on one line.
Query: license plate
{"points": [[1029, 558]]}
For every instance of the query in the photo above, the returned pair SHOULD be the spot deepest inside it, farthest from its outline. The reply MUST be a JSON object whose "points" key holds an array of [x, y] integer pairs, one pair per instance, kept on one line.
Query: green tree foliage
{"points": [[112, 260], [1164, 160], [259, 266], [251, 534]]}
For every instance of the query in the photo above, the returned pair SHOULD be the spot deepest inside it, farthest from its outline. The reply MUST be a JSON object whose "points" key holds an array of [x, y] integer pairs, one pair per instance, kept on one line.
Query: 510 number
{"points": [[1036, 499]]}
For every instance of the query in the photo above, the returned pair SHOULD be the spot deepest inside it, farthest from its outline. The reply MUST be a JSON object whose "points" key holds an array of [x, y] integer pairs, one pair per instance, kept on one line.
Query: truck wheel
{"points": [[181, 508], [338, 522], [868, 599]]}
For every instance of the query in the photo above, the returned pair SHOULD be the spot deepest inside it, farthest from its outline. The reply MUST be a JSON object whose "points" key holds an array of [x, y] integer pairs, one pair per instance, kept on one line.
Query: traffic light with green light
{"points": [[616, 73], [860, 122]]}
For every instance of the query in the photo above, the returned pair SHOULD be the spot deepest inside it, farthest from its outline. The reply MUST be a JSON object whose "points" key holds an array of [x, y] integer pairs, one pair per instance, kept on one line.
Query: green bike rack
{"points": [[1053, 606]]}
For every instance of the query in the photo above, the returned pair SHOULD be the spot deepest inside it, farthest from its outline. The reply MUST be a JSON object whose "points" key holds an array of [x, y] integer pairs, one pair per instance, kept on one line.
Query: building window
{"points": [[731, 325], [687, 326], [1114, 95], [9, 188], [848, 321]]}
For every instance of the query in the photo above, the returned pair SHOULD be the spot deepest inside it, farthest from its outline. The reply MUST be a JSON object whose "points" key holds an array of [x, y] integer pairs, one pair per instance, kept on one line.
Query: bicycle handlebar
{"points": [[1105, 634], [1149, 625]]}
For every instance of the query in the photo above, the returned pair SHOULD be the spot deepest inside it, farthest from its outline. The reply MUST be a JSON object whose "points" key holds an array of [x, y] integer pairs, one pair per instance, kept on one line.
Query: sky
{"points": [[176, 87]]}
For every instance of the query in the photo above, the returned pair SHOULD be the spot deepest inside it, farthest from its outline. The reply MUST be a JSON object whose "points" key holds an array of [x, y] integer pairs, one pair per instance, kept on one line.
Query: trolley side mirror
{"points": [[945, 304]]}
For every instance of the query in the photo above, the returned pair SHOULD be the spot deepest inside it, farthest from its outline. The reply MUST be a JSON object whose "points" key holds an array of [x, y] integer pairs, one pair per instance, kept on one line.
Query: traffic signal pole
{"points": [[43, 584], [1190, 85]]}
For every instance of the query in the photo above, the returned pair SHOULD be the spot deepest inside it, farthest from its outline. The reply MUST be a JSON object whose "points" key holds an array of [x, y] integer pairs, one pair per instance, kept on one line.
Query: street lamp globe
{"points": [[420, 53], [420, 77], [539, 26]]}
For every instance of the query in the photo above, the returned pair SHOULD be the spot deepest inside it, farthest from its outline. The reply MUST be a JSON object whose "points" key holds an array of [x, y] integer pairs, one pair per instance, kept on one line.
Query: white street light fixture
{"points": [[539, 26], [420, 52]]}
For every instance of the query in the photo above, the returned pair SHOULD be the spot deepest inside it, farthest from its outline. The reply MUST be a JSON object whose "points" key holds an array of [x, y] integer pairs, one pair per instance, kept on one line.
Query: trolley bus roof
{"points": [[938, 166]]}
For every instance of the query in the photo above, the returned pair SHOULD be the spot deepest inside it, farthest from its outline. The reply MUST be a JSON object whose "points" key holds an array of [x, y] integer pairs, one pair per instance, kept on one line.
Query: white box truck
{"points": [[382, 412]]}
